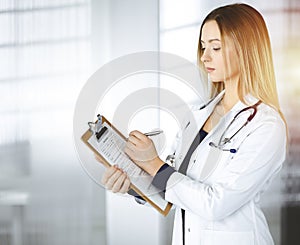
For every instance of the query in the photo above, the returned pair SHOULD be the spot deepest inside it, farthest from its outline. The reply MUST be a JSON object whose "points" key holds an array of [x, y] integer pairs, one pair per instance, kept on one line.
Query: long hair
{"points": [[245, 27]]}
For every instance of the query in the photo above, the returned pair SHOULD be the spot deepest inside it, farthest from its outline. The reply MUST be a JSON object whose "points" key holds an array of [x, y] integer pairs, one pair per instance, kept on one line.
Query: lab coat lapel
{"points": [[199, 117], [215, 155]]}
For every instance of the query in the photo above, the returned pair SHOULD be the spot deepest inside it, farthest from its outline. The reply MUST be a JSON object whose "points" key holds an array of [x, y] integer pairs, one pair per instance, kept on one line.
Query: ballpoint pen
{"points": [[153, 133]]}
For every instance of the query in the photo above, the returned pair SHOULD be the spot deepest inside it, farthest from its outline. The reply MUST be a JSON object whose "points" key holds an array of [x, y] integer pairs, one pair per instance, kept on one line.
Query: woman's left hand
{"points": [[141, 150]]}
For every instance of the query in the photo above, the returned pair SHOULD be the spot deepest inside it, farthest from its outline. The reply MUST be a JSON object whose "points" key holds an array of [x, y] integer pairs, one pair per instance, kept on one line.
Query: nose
{"points": [[205, 56]]}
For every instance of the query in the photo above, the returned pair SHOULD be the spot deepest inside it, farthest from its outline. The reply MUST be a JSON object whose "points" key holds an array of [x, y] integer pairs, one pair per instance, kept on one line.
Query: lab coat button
{"points": [[189, 230]]}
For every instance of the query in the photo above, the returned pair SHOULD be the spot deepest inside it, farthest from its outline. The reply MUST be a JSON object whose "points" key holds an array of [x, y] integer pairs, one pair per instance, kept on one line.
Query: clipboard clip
{"points": [[97, 126]]}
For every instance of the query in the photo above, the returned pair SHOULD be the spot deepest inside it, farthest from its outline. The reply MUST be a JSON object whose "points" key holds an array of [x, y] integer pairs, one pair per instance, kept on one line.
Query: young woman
{"points": [[224, 166]]}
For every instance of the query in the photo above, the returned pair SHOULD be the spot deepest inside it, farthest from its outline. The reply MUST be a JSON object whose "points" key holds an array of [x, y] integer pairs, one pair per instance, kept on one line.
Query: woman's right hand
{"points": [[116, 180]]}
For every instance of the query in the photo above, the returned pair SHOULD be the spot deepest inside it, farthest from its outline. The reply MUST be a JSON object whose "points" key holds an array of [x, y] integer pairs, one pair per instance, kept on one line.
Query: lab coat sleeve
{"points": [[258, 159]]}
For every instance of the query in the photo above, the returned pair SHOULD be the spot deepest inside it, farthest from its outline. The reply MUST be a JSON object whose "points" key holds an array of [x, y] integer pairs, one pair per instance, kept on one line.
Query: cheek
{"points": [[232, 64], [219, 74], [220, 63]]}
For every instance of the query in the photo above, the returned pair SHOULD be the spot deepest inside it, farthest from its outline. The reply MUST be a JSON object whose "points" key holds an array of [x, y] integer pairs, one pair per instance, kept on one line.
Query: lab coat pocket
{"points": [[209, 237]]}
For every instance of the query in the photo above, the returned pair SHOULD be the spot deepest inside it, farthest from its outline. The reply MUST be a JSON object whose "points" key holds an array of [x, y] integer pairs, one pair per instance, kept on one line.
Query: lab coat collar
{"points": [[202, 114], [217, 99], [251, 100]]}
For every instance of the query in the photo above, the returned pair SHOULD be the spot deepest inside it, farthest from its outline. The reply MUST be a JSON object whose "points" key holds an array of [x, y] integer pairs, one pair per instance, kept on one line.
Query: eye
{"points": [[203, 48], [216, 49]]}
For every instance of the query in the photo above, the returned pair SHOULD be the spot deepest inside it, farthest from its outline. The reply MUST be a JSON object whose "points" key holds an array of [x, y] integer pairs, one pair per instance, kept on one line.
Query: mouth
{"points": [[209, 69]]}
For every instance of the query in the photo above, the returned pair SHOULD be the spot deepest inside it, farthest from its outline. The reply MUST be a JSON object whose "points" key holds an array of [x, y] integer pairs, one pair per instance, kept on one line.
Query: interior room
{"points": [[49, 49]]}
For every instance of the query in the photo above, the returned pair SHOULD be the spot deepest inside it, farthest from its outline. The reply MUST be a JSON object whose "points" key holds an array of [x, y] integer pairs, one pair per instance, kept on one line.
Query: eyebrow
{"points": [[211, 40]]}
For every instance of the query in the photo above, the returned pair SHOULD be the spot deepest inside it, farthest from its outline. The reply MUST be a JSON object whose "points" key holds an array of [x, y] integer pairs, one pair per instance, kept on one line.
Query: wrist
{"points": [[154, 166]]}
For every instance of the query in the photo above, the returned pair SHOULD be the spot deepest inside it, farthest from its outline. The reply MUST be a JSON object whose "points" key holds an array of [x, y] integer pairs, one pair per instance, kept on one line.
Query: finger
{"points": [[118, 184], [134, 140], [111, 181], [125, 187], [107, 174], [131, 146], [129, 152], [139, 135]]}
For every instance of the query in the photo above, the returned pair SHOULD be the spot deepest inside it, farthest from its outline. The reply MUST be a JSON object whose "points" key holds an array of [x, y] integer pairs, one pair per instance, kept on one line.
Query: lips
{"points": [[209, 69]]}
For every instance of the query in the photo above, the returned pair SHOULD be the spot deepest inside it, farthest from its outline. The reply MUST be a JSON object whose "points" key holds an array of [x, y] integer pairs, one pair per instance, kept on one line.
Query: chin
{"points": [[216, 81]]}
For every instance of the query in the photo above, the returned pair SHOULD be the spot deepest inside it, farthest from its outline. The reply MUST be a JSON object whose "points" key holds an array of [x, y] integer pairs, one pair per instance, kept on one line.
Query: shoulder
{"points": [[269, 120], [268, 114]]}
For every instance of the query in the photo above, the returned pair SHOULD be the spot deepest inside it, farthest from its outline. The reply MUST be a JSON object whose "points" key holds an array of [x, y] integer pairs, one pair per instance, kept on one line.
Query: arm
{"points": [[259, 157]]}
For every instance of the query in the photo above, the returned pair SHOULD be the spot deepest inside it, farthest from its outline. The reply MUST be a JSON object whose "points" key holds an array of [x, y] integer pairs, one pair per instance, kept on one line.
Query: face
{"points": [[212, 57]]}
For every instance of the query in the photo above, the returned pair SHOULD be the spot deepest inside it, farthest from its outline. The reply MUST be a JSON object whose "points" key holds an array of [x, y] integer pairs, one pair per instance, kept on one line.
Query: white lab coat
{"points": [[221, 195]]}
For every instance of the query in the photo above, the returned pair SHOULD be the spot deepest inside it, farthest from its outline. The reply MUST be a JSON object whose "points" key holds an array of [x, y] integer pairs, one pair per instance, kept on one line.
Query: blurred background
{"points": [[48, 50]]}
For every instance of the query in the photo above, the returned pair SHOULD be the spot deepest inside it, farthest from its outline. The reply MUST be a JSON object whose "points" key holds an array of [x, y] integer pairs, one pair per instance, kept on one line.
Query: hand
{"points": [[141, 150], [115, 179]]}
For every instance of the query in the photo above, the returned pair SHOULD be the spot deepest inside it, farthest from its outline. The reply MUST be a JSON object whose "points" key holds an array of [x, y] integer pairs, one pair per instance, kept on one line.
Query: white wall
{"points": [[125, 27]]}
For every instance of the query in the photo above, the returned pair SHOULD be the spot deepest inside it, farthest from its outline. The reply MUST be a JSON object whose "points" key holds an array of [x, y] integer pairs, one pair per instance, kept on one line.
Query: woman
{"points": [[222, 167]]}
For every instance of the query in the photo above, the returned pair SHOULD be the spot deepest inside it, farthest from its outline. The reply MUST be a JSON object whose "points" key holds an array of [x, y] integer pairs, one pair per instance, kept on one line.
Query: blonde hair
{"points": [[245, 27]]}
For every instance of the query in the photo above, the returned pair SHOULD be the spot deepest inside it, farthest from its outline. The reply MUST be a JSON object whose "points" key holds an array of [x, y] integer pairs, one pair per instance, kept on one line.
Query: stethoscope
{"points": [[223, 141]]}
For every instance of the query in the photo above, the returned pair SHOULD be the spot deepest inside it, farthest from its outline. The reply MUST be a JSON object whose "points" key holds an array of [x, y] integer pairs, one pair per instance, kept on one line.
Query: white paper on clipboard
{"points": [[108, 143]]}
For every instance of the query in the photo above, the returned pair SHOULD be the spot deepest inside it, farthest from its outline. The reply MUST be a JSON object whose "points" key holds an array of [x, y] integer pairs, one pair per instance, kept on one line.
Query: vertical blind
{"points": [[44, 61], [44, 49]]}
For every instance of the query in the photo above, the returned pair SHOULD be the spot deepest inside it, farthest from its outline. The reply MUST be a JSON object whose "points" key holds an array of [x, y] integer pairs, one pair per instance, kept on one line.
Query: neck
{"points": [[231, 95]]}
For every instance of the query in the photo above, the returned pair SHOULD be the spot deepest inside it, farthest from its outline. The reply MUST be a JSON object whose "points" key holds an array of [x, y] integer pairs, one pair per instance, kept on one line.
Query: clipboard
{"points": [[91, 138]]}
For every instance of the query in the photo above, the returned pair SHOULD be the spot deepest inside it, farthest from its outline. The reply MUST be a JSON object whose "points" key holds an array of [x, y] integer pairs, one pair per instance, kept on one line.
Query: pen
{"points": [[155, 132]]}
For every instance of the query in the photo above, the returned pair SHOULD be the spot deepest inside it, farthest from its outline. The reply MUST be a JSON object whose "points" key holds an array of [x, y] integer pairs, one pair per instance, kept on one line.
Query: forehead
{"points": [[210, 31]]}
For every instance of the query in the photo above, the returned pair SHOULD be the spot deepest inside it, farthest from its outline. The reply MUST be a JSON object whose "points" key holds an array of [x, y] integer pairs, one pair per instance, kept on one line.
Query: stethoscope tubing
{"points": [[221, 145]]}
